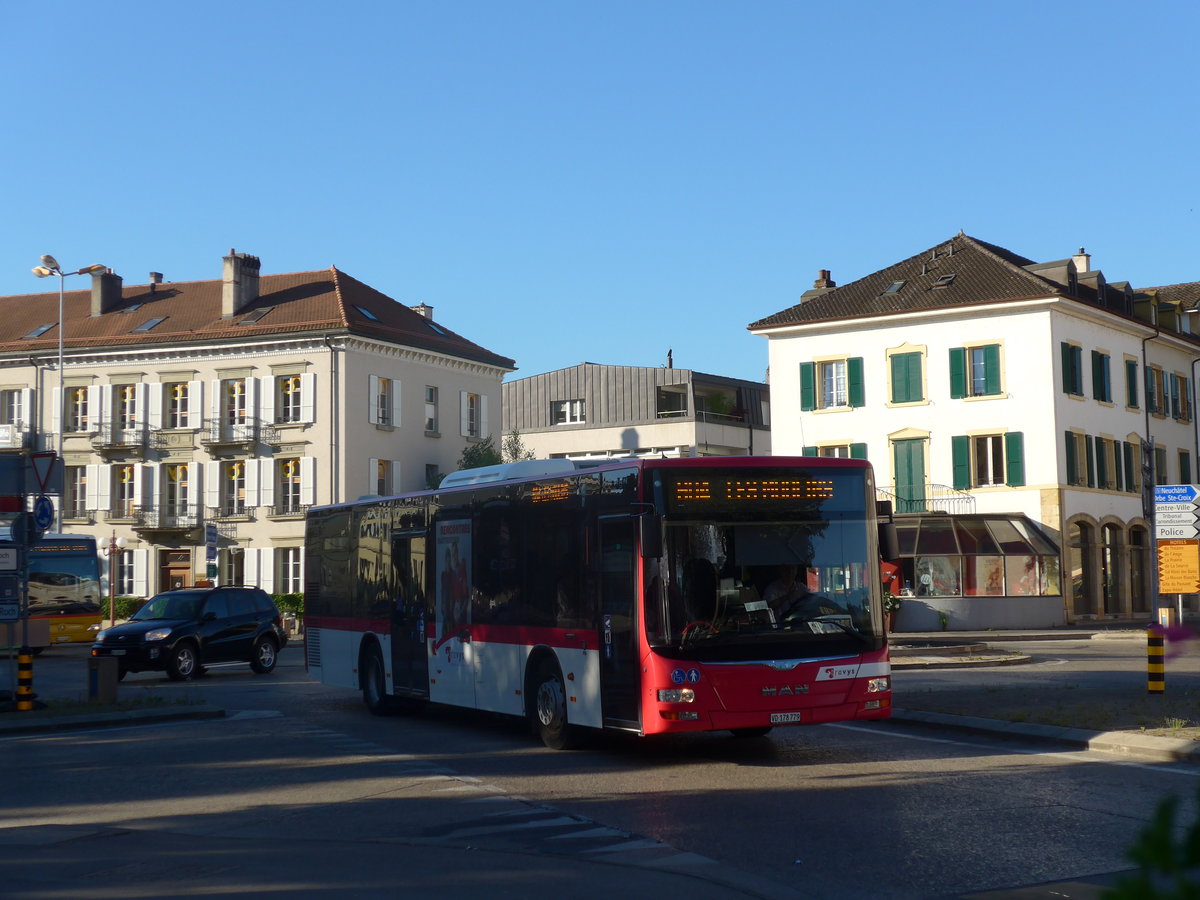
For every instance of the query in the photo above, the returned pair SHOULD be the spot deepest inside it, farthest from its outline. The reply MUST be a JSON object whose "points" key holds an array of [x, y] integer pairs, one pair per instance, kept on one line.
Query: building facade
{"points": [[596, 411], [235, 403], [1017, 413]]}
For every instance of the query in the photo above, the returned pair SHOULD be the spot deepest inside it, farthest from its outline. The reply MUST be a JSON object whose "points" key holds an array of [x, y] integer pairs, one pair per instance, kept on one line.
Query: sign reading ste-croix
{"points": [[1176, 515]]}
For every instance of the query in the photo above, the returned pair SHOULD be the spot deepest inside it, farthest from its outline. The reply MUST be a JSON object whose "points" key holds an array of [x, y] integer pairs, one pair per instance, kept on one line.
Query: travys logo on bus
{"points": [[835, 673]]}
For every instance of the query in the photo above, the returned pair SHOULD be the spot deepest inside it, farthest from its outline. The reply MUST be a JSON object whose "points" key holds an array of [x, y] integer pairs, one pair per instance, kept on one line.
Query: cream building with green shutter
{"points": [[1006, 405], [237, 402]]}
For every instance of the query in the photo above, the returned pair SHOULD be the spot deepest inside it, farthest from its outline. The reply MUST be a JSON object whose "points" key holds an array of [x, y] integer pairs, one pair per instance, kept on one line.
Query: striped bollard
{"points": [[25, 694], [1155, 670]]}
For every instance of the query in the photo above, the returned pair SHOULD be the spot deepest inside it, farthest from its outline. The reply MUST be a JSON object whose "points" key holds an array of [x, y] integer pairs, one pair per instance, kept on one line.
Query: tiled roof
{"points": [[323, 301], [1186, 294], [982, 273]]}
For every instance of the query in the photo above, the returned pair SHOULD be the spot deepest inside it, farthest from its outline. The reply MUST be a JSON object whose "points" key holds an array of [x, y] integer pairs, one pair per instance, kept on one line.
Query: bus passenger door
{"points": [[410, 659], [619, 677], [451, 657]]}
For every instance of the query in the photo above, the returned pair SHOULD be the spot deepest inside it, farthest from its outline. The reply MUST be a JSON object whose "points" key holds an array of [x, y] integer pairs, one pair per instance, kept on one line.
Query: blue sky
{"points": [[604, 181]]}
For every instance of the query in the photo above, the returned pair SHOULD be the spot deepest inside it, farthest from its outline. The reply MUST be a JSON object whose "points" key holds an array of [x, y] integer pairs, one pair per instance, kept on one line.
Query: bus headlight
{"points": [[875, 685], [160, 634], [676, 695]]}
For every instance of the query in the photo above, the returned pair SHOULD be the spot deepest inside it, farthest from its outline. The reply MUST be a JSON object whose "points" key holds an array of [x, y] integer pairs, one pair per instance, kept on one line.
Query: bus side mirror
{"points": [[650, 535], [889, 539]]}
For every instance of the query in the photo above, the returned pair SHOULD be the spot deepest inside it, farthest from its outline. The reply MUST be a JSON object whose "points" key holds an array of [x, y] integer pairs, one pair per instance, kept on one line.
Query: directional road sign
{"points": [[1178, 567], [1174, 518], [1174, 532], [1176, 493]]}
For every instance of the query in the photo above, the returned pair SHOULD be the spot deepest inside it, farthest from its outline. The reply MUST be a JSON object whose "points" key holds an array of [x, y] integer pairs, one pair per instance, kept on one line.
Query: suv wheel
{"points": [[264, 656], [183, 662]]}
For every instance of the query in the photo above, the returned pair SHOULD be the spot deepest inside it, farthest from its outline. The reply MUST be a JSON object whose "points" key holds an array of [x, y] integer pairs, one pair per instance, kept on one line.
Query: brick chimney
{"points": [[106, 291], [824, 281], [239, 282]]}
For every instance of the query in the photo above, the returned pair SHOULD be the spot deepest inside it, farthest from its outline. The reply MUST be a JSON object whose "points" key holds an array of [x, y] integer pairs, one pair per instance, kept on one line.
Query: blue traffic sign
{"points": [[43, 513], [1175, 493]]}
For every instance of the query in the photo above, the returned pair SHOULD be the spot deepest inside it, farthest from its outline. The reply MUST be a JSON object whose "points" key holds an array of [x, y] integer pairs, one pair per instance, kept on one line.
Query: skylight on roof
{"points": [[149, 324], [944, 280], [39, 331], [893, 288], [254, 316], [132, 307], [366, 312], [436, 328]]}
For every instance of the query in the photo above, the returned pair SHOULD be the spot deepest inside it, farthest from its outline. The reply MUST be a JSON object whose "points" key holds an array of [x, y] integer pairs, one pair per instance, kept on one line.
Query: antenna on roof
{"points": [[670, 358]]}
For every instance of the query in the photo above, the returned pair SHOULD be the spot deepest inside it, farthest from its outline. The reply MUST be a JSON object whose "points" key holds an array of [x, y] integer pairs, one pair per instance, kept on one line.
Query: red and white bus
{"points": [[650, 596]]}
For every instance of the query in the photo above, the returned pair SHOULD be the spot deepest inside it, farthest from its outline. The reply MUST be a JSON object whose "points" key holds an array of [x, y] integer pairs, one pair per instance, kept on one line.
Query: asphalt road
{"points": [[300, 790]]}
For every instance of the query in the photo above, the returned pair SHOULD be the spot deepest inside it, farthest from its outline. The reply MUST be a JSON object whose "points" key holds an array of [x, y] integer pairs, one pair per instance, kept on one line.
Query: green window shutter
{"points": [[1131, 383], [1077, 371], [1097, 376], [1069, 455], [960, 451], [1101, 463], [1118, 465], [906, 377], [1151, 395], [958, 372], [991, 369], [854, 381], [809, 451], [858, 451], [1091, 461], [1014, 458], [1185, 467], [1130, 481], [1066, 367], [808, 386]]}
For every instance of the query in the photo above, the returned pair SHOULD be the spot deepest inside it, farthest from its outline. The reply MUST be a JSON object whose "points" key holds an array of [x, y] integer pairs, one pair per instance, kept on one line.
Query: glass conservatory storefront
{"points": [[978, 571]]}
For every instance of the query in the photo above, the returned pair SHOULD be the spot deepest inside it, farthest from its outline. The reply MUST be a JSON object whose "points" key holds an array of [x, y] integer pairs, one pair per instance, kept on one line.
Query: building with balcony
{"points": [[1019, 415], [236, 403], [594, 411]]}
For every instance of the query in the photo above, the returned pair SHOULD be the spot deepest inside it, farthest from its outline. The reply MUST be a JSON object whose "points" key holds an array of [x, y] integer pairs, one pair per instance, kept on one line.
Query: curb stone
{"points": [[1132, 744]]}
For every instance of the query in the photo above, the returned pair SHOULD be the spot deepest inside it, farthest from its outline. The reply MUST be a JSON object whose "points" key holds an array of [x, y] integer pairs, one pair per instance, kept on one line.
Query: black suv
{"points": [[179, 632]]}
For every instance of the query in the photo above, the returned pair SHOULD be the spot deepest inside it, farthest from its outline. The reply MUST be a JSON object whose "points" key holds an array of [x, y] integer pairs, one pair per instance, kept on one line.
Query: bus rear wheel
{"points": [[374, 684], [550, 709]]}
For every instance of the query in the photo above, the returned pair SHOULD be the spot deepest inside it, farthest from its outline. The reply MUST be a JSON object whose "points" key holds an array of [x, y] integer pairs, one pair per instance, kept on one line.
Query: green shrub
{"points": [[290, 603], [125, 606], [1168, 861]]}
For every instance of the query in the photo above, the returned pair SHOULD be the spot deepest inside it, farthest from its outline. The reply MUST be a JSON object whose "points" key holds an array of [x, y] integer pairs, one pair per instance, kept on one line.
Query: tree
{"points": [[480, 453], [512, 448]]}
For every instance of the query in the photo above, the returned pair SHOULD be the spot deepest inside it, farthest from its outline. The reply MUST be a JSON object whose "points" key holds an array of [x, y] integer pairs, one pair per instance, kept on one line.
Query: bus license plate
{"points": [[784, 718]]}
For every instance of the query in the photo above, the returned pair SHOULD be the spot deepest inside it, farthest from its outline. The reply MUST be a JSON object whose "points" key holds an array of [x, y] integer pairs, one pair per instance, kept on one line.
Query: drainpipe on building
{"points": [[335, 419], [1148, 508]]}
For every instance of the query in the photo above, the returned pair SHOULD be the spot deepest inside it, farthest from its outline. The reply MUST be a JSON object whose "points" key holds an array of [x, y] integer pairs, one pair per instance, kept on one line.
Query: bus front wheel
{"points": [[550, 708], [374, 684]]}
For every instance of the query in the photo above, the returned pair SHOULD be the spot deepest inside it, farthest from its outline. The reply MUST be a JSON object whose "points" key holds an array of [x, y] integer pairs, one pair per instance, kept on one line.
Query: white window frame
{"points": [[988, 462], [833, 390]]}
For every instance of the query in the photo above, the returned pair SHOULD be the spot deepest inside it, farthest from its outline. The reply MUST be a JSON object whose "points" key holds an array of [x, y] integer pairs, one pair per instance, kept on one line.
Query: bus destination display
{"points": [[751, 491]]}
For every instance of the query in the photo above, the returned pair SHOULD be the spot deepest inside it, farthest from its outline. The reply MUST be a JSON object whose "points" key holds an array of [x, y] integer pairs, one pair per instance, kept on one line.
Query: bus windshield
{"points": [[765, 568], [63, 573]]}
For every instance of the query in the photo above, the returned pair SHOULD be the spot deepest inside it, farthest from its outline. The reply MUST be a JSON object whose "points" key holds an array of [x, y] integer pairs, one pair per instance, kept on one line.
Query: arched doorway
{"points": [[1139, 569], [1110, 574], [1081, 541]]}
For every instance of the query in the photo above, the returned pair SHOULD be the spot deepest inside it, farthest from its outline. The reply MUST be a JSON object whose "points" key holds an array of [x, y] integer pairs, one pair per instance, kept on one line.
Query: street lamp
{"points": [[50, 267], [115, 547]]}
